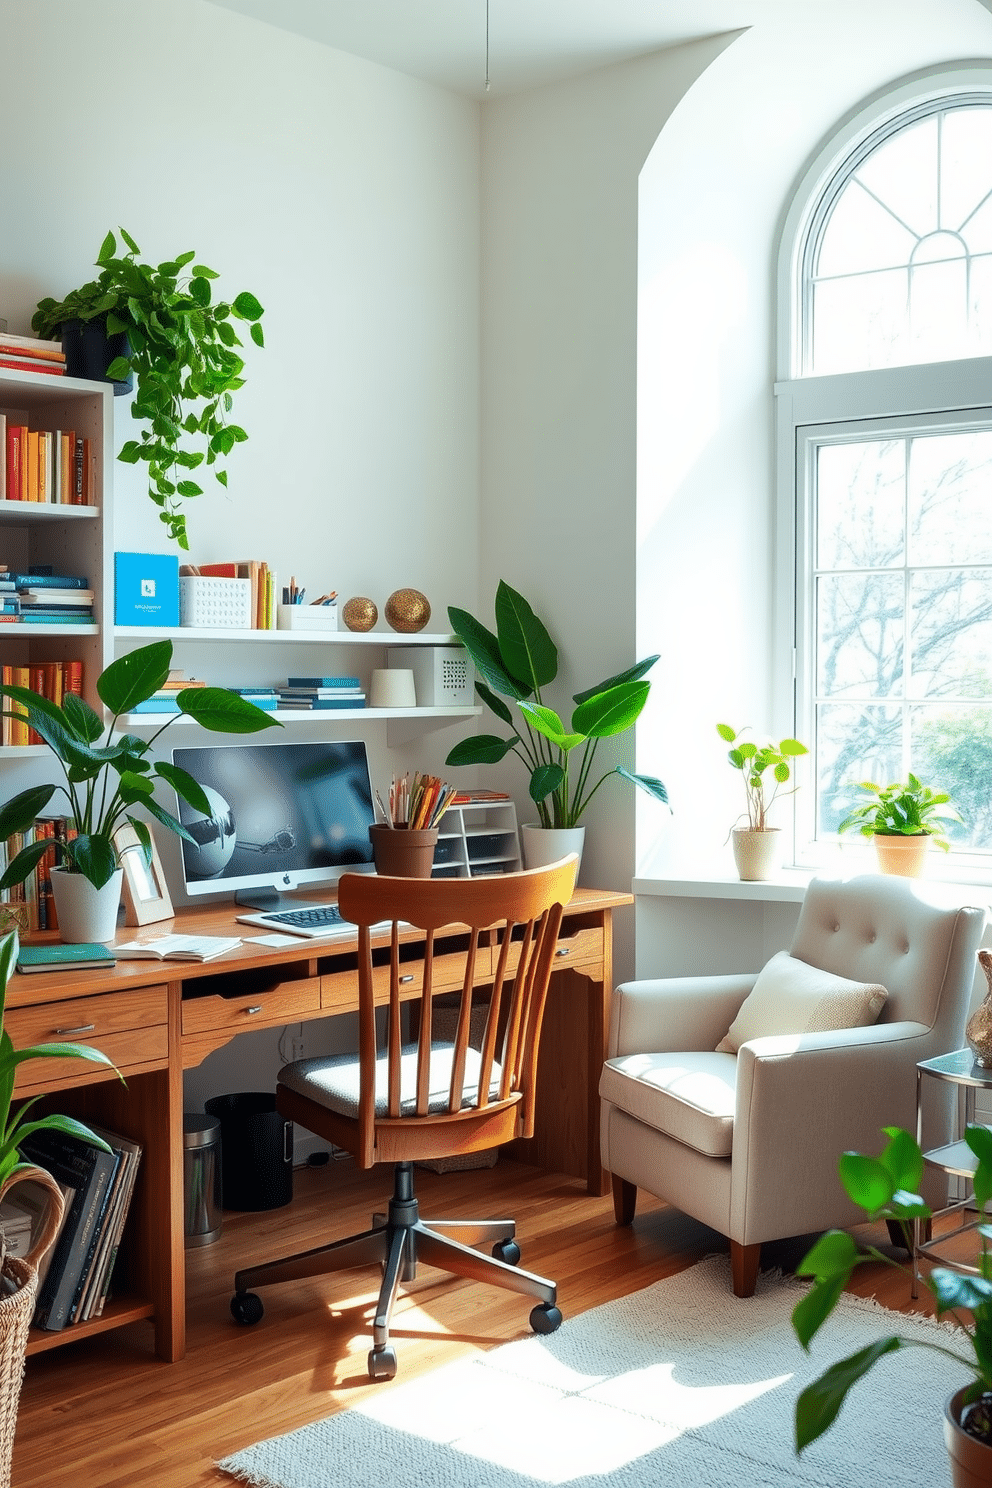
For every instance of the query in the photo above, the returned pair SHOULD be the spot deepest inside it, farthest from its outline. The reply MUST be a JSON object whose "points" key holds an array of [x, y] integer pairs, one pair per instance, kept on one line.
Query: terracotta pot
{"points": [[757, 854], [905, 856], [971, 1460], [400, 853]]}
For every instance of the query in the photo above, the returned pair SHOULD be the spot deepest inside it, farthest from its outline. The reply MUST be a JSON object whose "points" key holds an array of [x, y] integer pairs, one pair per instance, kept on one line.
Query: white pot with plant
{"points": [[106, 776], [902, 819], [756, 846], [517, 661]]}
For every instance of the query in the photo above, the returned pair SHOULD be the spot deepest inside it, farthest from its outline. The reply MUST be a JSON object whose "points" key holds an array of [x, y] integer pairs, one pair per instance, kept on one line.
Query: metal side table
{"points": [[956, 1158]]}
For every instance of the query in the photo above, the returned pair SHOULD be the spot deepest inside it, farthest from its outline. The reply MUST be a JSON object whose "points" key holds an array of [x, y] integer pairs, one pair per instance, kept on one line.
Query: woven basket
{"points": [[17, 1309]]}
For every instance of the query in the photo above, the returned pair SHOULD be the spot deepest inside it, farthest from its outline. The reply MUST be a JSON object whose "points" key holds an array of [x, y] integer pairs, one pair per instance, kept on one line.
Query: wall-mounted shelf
{"points": [[319, 715], [125, 633]]}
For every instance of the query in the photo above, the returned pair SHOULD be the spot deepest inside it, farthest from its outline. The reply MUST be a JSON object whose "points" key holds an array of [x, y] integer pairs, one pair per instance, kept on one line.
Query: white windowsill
{"points": [[788, 885]]}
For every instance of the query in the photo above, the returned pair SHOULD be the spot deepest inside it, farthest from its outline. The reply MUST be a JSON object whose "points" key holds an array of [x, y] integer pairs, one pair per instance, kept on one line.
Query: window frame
{"points": [[904, 396]]}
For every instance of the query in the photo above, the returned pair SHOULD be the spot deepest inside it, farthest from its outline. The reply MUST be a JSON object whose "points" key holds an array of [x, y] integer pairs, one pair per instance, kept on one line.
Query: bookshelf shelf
{"points": [[189, 633], [19, 511], [114, 1315]]}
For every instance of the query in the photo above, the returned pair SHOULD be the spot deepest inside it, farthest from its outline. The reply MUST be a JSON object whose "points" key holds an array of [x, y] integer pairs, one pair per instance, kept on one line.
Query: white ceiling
{"points": [[531, 42]]}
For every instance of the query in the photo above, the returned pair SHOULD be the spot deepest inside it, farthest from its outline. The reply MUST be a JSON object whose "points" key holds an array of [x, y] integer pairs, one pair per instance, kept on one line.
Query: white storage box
{"points": [[442, 674], [215, 604], [307, 617]]}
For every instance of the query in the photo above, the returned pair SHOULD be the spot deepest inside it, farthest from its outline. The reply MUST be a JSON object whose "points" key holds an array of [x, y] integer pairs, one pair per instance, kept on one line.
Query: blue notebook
{"points": [[146, 589]]}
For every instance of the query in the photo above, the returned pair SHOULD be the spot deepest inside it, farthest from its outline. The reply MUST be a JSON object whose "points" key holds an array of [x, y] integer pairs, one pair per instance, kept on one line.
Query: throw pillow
{"points": [[790, 996]]}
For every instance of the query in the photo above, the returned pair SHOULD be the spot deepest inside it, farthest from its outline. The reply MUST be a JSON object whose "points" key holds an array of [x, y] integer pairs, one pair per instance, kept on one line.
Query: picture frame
{"points": [[146, 894]]}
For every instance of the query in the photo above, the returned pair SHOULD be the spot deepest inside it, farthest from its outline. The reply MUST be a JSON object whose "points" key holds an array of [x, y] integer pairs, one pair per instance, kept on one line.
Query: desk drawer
{"points": [[339, 990], [129, 1027], [579, 950], [283, 1002]]}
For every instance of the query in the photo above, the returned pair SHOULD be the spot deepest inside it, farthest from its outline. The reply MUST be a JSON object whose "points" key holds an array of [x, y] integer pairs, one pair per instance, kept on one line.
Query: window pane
{"points": [[951, 633], [860, 627], [938, 310], [903, 173], [854, 743], [950, 491], [952, 748], [860, 504], [981, 307], [965, 166], [860, 235], [861, 322]]}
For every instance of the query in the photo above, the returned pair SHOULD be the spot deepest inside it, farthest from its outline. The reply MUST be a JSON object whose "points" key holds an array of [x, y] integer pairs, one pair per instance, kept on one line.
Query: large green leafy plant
{"points": [[182, 347], [517, 661], [907, 808], [754, 762], [16, 1122], [106, 776], [886, 1188]]}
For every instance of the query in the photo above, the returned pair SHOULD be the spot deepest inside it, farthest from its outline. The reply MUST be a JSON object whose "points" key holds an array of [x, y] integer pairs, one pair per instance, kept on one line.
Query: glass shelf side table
{"points": [[955, 1158]]}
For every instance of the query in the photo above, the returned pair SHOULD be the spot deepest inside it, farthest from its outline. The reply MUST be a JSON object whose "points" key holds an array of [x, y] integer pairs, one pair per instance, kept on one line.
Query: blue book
{"points": [[157, 705], [323, 682], [146, 589], [322, 703], [46, 581]]}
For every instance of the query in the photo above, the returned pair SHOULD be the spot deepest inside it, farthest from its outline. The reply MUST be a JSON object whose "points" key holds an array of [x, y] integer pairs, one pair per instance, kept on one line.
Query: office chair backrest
{"points": [[497, 931]]}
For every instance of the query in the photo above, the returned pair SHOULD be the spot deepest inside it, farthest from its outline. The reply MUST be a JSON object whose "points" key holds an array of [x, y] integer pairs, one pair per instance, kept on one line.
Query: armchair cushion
{"points": [[792, 997], [689, 1097]]}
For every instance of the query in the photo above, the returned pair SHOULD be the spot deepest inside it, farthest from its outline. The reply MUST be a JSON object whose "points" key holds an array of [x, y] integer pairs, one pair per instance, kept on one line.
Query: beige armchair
{"points": [[748, 1142]]}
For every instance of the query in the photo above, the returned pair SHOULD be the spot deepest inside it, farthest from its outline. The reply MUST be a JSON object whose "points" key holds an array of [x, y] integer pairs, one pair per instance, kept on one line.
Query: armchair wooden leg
{"points": [[624, 1200], [744, 1260]]}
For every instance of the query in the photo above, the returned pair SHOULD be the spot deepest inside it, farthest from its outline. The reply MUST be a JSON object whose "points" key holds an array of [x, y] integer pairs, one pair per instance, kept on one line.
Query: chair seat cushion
{"points": [[333, 1081], [687, 1096], [792, 997]]}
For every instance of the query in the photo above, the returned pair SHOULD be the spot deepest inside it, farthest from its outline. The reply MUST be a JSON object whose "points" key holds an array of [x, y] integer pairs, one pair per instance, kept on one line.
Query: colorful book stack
{"points": [[28, 354], [35, 892], [52, 679], [164, 700], [53, 466], [262, 696], [321, 693], [98, 1187]]}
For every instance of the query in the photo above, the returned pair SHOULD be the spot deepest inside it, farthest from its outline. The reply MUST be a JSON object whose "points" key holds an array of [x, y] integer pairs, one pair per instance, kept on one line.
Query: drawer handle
{"points": [[563, 951], [255, 1008], [83, 1028], [407, 978]]}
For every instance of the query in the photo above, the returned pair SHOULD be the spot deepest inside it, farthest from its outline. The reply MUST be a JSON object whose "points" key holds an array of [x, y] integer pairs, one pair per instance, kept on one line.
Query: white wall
{"points": [[346, 197]]}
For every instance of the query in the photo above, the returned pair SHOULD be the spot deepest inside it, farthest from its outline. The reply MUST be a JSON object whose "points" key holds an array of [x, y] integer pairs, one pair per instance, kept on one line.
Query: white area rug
{"points": [[682, 1385]]}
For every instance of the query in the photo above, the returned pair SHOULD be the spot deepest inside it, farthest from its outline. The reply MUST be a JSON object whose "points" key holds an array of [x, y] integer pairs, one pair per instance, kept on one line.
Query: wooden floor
{"points": [[106, 1412]]}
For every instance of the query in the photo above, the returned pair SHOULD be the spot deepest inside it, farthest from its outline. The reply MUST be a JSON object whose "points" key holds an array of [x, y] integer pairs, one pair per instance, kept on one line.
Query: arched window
{"points": [[886, 428]]}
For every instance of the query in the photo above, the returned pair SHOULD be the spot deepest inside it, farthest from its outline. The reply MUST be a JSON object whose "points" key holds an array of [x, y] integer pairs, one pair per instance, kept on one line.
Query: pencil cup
{"points": [[392, 687], [401, 853]]}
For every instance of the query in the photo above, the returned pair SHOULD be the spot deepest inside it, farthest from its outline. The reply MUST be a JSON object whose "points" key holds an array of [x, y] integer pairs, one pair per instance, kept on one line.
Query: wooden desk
{"points": [[155, 1019]]}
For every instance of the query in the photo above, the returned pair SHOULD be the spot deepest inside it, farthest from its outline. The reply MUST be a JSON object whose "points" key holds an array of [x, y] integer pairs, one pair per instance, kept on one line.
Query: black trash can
{"points": [[256, 1150]]}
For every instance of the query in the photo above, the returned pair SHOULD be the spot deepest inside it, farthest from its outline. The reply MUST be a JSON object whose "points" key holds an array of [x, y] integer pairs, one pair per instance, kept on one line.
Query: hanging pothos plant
{"points": [[181, 347]]}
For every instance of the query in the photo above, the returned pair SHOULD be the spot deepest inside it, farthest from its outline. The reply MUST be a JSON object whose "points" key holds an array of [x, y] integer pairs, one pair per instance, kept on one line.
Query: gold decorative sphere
{"points": [[407, 610], [359, 613]]}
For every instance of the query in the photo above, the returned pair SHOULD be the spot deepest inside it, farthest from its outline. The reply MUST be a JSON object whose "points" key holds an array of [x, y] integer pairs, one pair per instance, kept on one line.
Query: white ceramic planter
{"points": [[543, 845], [86, 914], [757, 854]]}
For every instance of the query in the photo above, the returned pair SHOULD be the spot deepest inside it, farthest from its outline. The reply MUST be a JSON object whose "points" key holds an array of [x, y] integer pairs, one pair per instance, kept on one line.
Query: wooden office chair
{"points": [[402, 1101]]}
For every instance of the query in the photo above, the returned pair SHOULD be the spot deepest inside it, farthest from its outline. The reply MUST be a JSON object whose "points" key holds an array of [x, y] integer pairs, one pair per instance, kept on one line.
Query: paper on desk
{"points": [[271, 940]]}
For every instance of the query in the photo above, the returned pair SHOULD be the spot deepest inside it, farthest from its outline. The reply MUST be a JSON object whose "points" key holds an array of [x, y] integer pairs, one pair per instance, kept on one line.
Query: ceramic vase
{"points": [[543, 845], [978, 1029], [86, 914], [757, 854], [971, 1460], [904, 856]]}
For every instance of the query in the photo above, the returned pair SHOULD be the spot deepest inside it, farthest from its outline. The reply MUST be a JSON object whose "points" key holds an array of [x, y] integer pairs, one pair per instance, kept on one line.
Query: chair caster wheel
{"points": [[247, 1309], [545, 1319], [507, 1251], [382, 1363]]}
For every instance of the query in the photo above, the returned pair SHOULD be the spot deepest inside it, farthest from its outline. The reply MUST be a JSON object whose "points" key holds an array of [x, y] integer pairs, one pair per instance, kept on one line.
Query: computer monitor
{"points": [[283, 815]]}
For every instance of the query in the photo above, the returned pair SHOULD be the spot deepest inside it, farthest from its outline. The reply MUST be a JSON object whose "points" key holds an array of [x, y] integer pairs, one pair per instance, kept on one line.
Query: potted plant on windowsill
{"points": [[756, 845], [902, 819], [105, 778], [180, 344], [518, 661], [886, 1188]]}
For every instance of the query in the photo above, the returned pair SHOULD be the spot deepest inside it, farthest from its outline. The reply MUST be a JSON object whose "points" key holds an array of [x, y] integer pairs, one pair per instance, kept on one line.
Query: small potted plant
{"points": [[20, 1274], [105, 778], [887, 1188], [756, 845], [518, 661], [180, 344], [903, 819]]}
